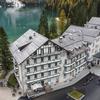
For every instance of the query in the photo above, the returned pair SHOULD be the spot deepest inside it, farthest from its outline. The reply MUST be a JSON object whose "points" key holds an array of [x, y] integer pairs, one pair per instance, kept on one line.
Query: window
{"points": [[35, 76], [35, 53], [55, 63], [65, 61], [56, 56], [35, 60], [49, 65], [49, 49], [28, 77], [55, 48], [65, 69], [64, 75], [27, 61], [28, 70], [42, 74], [95, 27], [35, 68], [42, 67], [49, 73], [56, 71], [49, 57], [58, 49], [42, 51], [42, 59]]}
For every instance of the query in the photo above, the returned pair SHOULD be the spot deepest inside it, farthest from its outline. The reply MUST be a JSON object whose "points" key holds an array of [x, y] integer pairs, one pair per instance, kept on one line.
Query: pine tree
{"points": [[62, 20], [53, 29], [5, 55], [43, 26]]}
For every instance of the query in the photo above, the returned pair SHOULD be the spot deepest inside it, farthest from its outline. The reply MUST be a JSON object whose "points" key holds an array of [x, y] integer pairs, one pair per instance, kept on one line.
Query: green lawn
{"points": [[2, 74], [12, 81], [76, 95]]}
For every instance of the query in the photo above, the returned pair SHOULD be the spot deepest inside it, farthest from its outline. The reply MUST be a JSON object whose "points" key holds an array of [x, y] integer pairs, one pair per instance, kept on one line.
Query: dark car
{"points": [[24, 98]]}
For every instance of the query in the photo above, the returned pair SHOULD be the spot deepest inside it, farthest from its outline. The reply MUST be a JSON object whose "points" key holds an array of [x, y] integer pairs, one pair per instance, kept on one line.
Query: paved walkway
{"points": [[73, 81], [6, 94], [94, 70], [8, 75]]}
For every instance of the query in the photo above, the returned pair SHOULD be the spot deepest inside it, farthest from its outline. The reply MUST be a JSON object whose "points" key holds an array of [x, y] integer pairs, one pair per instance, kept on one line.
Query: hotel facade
{"points": [[38, 60]]}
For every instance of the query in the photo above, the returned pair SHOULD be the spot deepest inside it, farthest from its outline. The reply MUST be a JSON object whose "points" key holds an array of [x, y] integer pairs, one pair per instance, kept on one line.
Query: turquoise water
{"points": [[16, 22]]}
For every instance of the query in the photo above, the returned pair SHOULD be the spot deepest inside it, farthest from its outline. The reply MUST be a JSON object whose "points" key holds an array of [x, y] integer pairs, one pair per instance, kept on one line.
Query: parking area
{"points": [[89, 86]]}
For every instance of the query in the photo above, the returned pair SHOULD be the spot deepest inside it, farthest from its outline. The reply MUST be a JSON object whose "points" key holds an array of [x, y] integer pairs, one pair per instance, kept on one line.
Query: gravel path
{"points": [[6, 94]]}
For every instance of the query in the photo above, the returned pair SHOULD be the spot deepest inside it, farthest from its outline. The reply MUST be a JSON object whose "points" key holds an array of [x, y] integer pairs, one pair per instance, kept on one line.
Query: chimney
{"points": [[34, 34], [60, 39]]}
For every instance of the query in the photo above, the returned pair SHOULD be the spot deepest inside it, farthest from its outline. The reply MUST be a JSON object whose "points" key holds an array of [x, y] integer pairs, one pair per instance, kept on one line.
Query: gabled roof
{"points": [[27, 44], [76, 36], [94, 20], [97, 55]]}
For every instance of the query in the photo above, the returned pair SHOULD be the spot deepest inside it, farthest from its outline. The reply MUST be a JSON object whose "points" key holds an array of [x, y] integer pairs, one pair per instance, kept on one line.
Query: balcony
{"points": [[69, 71], [74, 68], [74, 62], [81, 64], [42, 71], [43, 78], [43, 63], [46, 54], [69, 64], [81, 58]]}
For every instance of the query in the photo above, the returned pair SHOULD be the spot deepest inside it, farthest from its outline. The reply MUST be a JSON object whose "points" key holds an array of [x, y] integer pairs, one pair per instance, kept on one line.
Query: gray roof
{"points": [[27, 44], [94, 20], [75, 37], [97, 55]]}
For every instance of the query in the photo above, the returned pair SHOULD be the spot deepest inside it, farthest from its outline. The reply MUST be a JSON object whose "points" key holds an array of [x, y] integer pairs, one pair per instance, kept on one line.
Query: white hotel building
{"points": [[38, 60]]}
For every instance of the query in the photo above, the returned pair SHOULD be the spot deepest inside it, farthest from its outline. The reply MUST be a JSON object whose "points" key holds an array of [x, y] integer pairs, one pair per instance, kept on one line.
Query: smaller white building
{"points": [[93, 23]]}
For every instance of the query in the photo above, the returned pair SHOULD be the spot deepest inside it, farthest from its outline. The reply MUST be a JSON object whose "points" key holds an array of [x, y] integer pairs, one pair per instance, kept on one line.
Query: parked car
{"points": [[23, 98]]}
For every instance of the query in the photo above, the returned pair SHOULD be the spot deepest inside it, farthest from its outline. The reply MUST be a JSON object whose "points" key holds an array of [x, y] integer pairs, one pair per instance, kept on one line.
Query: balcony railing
{"points": [[68, 71], [46, 54], [43, 78], [43, 63], [81, 64], [69, 64], [42, 71]]}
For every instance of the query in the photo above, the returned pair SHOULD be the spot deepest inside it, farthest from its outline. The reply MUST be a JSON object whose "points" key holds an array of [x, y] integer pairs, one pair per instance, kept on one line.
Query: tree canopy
{"points": [[43, 26], [5, 55]]}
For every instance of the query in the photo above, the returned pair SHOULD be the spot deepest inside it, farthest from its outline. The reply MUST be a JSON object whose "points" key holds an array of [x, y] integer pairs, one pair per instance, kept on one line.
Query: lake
{"points": [[16, 22]]}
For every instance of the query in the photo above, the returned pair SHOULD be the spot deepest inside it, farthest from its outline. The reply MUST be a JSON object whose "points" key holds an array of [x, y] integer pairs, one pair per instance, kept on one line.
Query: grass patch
{"points": [[76, 95], [12, 81], [2, 74]]}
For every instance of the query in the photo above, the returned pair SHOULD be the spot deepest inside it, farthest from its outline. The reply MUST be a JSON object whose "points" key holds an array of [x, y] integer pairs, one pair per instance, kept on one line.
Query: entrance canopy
{"points": [[36, 86]]}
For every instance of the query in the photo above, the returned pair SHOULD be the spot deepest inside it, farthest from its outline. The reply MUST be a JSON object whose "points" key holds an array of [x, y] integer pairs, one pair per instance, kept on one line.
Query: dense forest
{"points": [[76, 12], [79, 11]]}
